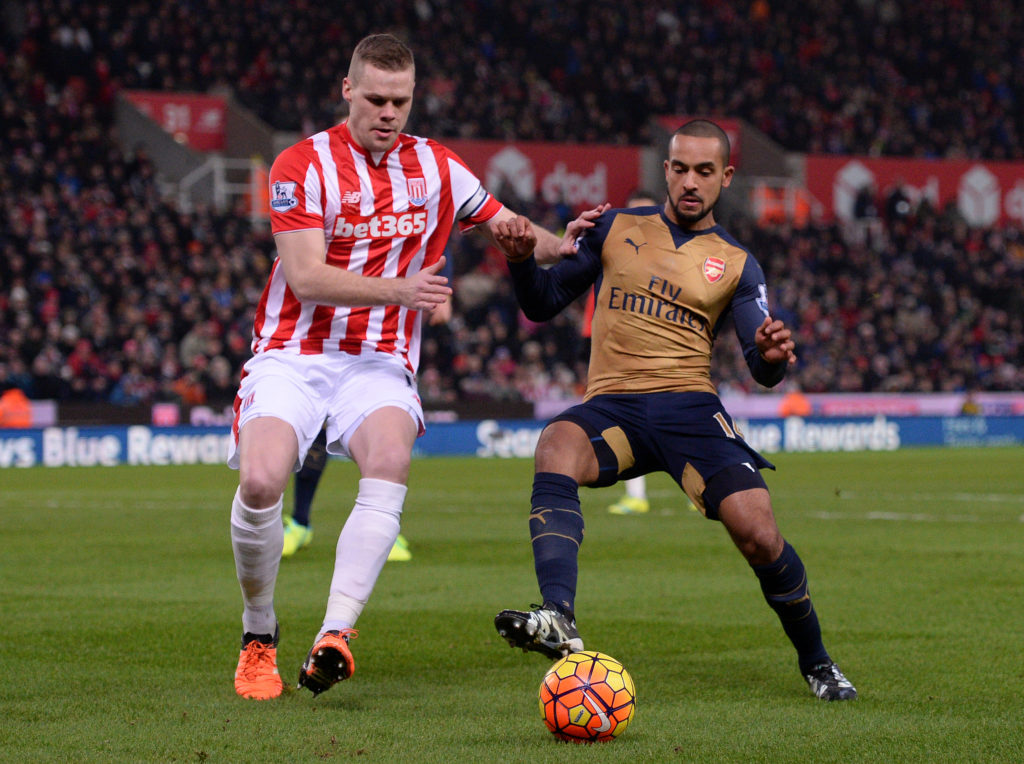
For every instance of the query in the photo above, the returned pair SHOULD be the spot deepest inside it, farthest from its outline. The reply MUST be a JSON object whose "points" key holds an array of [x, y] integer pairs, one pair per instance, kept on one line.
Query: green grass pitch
{"points": [[119, 619]]}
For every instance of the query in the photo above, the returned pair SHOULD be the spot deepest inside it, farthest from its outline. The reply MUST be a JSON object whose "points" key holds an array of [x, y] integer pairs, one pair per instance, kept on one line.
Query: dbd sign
{"points": [[985, 193], [578, 175]]}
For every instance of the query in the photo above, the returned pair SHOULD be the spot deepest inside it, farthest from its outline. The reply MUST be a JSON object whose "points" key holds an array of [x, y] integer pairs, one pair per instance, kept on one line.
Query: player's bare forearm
{"points": [[312, 280], [422, 291], [508, 232], [548, 246]]}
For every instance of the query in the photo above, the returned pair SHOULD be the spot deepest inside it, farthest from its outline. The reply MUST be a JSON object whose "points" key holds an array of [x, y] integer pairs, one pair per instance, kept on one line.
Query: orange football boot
{"points": [[329, 661], [256, 676]]}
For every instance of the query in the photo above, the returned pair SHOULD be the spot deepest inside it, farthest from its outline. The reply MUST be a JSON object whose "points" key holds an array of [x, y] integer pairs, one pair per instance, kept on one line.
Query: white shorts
{"points": [[308, 390]]}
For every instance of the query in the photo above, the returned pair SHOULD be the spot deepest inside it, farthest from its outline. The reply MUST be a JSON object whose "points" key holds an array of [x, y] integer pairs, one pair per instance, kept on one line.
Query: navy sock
{"points": [[556, 532], [306, 481], [784, 584], [307, 478]]}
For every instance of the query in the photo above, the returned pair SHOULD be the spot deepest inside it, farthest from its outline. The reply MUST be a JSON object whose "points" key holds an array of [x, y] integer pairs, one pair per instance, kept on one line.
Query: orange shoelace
{"points": [[258, 658]]}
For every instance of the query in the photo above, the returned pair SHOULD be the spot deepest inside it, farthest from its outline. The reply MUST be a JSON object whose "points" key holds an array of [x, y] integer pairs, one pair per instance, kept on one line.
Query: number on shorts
{"points": [[724, 424]]}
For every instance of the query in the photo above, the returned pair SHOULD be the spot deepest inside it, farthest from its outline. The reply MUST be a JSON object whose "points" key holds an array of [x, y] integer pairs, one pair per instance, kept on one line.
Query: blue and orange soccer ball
{"points": [[587, 697]]}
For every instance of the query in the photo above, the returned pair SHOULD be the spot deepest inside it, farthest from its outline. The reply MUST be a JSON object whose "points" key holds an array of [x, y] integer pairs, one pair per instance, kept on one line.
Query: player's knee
{"points": [[258, 489], [747, 515], [386, 464], [761, 545], [546, 453]]}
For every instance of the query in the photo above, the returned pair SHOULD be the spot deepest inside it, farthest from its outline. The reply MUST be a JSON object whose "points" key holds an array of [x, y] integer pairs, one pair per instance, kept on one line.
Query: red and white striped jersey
{"points": [[388, 215]]}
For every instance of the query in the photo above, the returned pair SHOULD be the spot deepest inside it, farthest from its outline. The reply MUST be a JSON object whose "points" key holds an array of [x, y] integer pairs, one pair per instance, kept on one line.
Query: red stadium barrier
{"points": [[578, 175], [985, 193], [192, 118]]}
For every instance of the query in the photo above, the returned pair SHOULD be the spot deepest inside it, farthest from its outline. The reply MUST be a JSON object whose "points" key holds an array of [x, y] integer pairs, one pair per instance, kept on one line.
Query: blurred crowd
{"points": [[879, 77], [917, 302], [109, 292]]}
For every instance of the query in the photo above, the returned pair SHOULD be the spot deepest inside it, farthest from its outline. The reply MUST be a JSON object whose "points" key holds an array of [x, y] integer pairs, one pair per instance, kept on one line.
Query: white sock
{"points": [[363, 548], [636, 488], [257, 537]]}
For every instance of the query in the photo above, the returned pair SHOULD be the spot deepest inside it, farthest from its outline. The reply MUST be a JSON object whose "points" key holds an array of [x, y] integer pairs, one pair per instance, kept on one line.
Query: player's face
{"points": [[695, 174], [379, 105]]}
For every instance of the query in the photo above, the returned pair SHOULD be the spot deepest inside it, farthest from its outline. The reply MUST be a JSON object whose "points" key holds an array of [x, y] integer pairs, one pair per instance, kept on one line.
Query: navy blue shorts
{"points": [[688, 435]]}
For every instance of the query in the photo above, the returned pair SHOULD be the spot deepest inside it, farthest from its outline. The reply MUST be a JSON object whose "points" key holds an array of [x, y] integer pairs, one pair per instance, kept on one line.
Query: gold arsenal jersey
{"points": [[661, 294]]}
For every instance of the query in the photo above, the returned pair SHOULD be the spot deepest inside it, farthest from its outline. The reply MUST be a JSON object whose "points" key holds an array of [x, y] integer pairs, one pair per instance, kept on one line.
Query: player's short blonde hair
{"points": [[383, 51]]}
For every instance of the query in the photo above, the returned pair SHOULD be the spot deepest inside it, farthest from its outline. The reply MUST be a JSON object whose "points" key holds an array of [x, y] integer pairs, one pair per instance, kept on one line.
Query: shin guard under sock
{"points": [[784, 584], [556, 532], [257, 537]]}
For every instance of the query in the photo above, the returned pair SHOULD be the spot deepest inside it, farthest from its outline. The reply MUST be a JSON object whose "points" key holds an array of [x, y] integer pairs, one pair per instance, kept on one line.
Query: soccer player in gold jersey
{"points": [[666, 277]]}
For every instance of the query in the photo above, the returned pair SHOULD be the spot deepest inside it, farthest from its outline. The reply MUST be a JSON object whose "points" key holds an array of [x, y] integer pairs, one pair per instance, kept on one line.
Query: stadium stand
{"points": [[926, 79], [110, 292]]}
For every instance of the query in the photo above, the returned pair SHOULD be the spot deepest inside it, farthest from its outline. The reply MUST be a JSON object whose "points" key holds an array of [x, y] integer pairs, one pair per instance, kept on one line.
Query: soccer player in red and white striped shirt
{"points": [[360, 213]]}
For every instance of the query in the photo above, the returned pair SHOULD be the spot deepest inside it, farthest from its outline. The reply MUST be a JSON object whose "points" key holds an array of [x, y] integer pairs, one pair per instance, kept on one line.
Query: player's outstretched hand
{"points": [[577, 227], [424, 290], [516, 238], [775, 342]]}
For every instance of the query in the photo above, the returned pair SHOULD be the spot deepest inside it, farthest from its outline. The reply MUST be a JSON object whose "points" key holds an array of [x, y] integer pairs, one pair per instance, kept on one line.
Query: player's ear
{"points": [[727, 174]]}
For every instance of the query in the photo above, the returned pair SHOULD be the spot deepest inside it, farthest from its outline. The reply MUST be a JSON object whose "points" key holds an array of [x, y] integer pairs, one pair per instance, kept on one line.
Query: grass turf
{"points": [[119, 619]]}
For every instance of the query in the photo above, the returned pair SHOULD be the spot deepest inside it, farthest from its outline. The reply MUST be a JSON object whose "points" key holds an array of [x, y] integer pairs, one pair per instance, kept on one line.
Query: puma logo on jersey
{"points": [[635, 246]]}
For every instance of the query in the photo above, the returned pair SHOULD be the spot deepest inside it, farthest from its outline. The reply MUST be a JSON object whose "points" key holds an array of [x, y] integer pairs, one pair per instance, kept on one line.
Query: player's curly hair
{"points": [[384, 51]]}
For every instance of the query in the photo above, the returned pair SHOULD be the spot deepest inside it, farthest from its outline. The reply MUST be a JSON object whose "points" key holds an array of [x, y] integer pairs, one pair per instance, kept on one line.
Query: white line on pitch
{"points": [[989, 498], [906, 517]]}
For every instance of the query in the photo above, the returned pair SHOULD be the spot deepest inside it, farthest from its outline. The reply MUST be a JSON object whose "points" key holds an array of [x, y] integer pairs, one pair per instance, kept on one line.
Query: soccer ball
{"points": [[587, 697]]}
